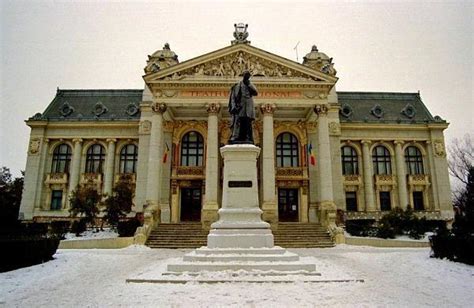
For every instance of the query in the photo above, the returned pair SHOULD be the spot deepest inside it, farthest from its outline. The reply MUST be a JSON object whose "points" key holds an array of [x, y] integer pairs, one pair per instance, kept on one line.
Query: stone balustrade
{"points": [[56, 178]]}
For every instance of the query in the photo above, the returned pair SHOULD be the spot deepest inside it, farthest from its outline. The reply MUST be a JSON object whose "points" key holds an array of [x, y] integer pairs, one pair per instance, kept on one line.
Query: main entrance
{"points": [[287, 205], [191, 204]]}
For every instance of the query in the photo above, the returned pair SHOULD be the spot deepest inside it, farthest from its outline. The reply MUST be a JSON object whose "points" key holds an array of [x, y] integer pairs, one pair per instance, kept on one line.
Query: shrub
{"points": [[79, 226], [60, 228], [119, 204], [27, 251], [361, 227], [128, 227], [85, 202]]}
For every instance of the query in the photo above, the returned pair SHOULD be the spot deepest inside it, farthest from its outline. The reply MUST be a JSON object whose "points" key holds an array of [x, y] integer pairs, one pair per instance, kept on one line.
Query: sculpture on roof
{"points": [[240, 34], [319, 61], [161, 59]]}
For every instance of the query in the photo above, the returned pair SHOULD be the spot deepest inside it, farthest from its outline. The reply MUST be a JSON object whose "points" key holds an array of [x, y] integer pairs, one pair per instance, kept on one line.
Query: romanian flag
{"points": [[165, 154], [312, 158]]}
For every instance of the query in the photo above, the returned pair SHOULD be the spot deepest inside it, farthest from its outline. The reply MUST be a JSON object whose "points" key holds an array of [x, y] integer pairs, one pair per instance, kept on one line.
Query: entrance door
{"points": [[191, 204], [287, 204]]}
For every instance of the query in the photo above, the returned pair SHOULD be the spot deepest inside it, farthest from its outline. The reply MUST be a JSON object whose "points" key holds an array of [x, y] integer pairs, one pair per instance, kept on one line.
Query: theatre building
{"points": [[321, 150]]}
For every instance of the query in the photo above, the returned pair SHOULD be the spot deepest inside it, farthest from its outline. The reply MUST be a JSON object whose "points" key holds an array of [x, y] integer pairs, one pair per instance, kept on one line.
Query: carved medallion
{"points": [[438, 146], [334, 128], [35, 144], [145, 127]]}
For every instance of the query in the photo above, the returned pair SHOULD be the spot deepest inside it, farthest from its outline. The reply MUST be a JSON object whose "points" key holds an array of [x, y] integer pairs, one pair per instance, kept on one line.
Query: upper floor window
{"points": [[61, 159], [382, 161], [192, 149], [287, 154], [349, 160], [128, 158], [95, 159], [414, 160]]}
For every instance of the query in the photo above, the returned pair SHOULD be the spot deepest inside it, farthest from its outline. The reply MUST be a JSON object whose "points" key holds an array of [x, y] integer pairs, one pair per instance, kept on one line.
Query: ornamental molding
{"points": [[321, 109], [439, 149], [158, 107], [296, 128], [268, 109], [35, 145], [334, 128], [213, 108]]}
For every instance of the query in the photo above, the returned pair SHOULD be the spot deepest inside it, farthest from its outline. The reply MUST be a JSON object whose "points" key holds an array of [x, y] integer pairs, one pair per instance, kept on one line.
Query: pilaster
{"points": [[109, 166], [269, 204], [401, 175], [368, 177], [75, 164]]}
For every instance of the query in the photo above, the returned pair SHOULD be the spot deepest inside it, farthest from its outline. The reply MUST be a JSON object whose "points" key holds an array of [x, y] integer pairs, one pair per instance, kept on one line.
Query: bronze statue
{"points": [[242, 110]]}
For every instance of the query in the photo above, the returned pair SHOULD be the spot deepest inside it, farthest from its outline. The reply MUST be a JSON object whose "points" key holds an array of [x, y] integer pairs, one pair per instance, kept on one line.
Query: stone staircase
{"points": [[302, 235], [190, 235]]}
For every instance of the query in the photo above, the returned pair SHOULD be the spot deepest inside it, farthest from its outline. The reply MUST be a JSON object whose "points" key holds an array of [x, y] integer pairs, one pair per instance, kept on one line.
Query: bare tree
{"points": [[461, 160]]}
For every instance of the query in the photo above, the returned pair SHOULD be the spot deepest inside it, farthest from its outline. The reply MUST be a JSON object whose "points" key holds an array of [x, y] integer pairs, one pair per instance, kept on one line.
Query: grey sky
{"points": [[376, 46]]}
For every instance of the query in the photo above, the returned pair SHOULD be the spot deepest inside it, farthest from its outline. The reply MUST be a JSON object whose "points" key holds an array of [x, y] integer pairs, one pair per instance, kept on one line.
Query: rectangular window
{"points": [[418, 201], [56, 200], [351, 201], [385, 204]]}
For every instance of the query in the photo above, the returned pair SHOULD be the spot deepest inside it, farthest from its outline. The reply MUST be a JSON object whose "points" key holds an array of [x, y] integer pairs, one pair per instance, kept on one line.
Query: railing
{"points": [[91, 177], [190, 171], [56, 178], [289, 172], [384, 179], [352, 179], [132, 177], [418, 179]]}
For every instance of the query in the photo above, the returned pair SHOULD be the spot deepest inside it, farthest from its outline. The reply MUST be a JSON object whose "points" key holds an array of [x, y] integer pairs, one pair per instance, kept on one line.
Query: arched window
{"points": [[61, 159], [128, 158], [192, 149], [349, 160], [414, 160], [95, 159], [381, 159], [287, 150]]}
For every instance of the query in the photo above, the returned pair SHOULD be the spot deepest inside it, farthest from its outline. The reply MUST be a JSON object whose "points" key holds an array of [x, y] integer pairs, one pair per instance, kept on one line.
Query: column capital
{"points": [[159, 107], [321, 109], [366, 142], [111, 140], [267, 109], [77, 140], [213, 108], [46, 140], [399, 142]]}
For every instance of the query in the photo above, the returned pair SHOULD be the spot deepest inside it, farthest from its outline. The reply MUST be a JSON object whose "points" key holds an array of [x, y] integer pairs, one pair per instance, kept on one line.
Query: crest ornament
{"points": [[334, 128], [35, 146], [438, 146], [240, 34], [145, 127]]}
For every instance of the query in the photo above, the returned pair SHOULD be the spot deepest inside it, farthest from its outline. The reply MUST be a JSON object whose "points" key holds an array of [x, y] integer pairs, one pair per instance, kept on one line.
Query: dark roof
{"points": [[383, 107], [373, 107], [75, 105]]}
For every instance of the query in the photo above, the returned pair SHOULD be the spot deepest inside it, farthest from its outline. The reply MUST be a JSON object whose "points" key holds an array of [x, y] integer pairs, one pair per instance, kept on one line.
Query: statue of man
{"points": [[242, 110]]}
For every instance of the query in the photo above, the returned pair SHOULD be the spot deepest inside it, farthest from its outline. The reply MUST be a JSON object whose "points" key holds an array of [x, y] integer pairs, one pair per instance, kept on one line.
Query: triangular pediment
{"points": [[231, 61]]}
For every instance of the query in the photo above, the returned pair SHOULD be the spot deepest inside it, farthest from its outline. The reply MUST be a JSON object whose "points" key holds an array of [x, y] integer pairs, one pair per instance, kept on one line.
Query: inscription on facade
{"points": [[239, 184], [261, 94]]}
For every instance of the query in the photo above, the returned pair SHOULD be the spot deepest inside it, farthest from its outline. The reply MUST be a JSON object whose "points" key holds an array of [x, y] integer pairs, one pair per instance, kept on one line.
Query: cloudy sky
{"points": [[390, 46]]}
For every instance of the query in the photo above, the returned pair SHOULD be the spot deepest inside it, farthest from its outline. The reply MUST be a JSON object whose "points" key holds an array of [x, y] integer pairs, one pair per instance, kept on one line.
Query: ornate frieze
{"points": [[289, 172]]}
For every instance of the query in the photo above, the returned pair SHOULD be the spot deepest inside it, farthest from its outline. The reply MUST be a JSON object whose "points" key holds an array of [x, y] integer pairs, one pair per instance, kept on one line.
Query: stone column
{"points": [[401, 175], [210, 206], [327, 206], [109, 167], [75, 165], [154, 156], [432, 175], [368, 178], [269, 204], [42, 168]]}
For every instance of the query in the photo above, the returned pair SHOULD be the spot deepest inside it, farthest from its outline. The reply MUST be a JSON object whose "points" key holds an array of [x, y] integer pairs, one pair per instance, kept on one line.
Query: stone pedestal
{"points": [[240, 240]]}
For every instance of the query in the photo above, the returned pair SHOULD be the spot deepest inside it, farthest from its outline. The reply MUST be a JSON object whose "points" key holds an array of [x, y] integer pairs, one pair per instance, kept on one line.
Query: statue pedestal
{"points": [[240, 240], [240, 224]]}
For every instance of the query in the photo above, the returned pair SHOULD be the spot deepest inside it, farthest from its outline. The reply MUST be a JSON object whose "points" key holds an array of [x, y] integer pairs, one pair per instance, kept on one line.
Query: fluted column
{"points": [[109, 167], [269, 204], [75, 165], [401, 175], [154, 154], [210, 206], [368, 178], [40, 181]]}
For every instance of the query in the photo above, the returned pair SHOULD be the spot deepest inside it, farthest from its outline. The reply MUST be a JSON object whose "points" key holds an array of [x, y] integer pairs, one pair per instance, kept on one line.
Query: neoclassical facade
{"points": [[322, 150]]}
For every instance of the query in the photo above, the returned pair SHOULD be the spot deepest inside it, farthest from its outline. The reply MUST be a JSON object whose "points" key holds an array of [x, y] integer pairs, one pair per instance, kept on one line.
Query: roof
{"points": [[384, 107], [76, 105], [107, 105]]}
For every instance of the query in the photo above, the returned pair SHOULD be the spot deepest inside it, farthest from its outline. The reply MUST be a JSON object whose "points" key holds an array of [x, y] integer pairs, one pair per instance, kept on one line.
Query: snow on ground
{"points": [[394, 277], [92, 234]]}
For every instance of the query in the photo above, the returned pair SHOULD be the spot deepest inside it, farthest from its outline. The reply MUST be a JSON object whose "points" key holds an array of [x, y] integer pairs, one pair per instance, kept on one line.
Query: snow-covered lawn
{"points": [[92, 234], [401, 277]]}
